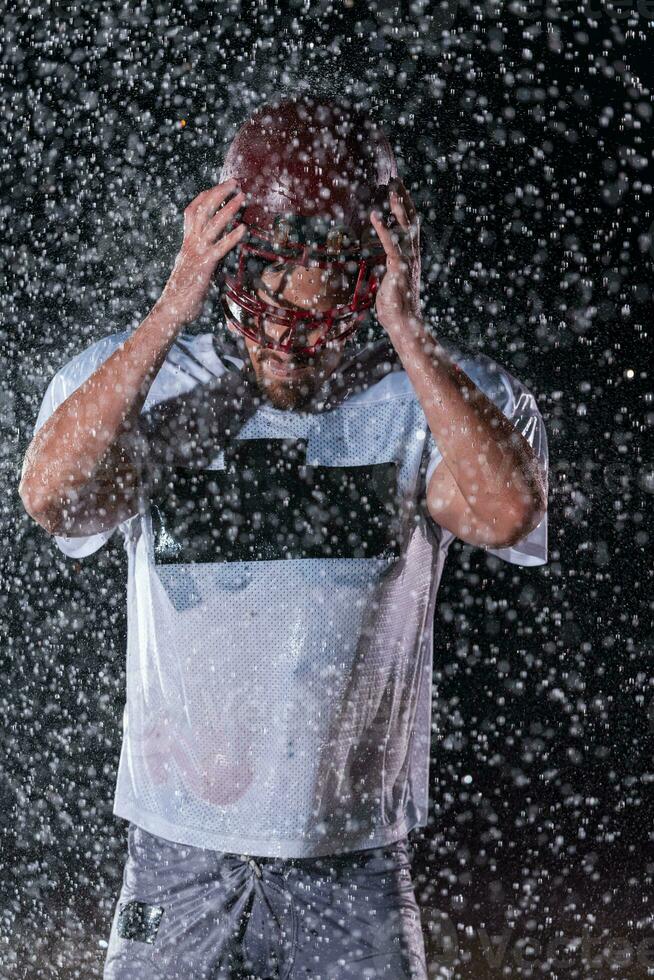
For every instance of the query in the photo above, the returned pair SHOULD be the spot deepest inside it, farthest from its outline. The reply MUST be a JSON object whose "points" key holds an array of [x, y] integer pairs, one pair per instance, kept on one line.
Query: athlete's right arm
{"points": [[80, 472]]}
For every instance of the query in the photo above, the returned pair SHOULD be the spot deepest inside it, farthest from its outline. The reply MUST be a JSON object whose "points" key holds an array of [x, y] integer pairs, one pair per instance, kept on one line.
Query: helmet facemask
{"points": [[297, 242]]}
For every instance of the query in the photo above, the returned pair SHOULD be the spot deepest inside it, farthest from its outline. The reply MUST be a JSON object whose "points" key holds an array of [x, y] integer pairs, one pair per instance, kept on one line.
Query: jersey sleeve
{"points": [[518, 404], [70, 377]]}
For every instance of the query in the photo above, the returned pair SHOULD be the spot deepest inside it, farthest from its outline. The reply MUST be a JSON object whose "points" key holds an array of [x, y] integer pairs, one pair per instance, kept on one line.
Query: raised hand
{"points": [[397, 302], [205, 245]]}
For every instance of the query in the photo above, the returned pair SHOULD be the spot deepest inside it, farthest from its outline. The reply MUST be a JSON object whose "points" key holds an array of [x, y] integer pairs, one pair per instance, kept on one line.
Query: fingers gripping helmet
{"points": [[311, 170]]}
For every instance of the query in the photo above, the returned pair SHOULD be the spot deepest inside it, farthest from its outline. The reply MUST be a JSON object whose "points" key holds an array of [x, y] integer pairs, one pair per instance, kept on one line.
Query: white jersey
{"points": [[280, 614]]}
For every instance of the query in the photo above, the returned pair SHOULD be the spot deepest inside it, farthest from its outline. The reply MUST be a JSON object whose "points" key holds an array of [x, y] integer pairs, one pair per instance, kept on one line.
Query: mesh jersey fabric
{"points": [[279, 702]]}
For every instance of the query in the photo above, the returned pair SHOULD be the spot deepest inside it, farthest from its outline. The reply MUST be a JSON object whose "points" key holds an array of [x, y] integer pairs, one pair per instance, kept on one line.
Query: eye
{"points": [[275, 268], [286, 230]]}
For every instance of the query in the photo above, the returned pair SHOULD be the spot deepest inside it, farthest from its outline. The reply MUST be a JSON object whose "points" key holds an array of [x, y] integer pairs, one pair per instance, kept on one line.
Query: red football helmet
{"points": [[312, 170]]}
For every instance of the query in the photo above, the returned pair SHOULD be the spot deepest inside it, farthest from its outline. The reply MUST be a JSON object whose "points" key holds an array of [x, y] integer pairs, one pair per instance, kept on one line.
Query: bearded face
{"points": [[288, 380]]}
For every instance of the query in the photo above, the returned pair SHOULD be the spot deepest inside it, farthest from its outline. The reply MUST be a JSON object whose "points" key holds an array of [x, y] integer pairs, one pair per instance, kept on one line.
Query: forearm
{"points": [[491, 462], [73, 443], [86, 432]]}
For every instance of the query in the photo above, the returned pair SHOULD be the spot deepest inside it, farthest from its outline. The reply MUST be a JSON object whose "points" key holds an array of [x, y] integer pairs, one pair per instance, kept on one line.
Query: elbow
{"points": [[45, 515], [27, 498], [524, 523]]}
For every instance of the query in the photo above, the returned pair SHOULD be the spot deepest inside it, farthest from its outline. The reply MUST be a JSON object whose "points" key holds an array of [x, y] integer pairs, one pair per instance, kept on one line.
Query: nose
{"points": [[273, 329], [302, 336]]}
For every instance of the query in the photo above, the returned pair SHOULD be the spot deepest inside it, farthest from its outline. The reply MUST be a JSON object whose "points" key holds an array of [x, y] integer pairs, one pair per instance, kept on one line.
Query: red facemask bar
{"points": [[246, 311]]}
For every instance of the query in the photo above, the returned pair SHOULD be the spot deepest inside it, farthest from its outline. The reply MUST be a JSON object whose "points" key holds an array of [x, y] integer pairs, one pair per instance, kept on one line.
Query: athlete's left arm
{"points": [[491, 490]]}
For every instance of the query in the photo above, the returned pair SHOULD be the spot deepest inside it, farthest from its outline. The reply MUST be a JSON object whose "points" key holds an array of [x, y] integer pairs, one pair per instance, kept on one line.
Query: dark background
{"points": [[523, 134]]}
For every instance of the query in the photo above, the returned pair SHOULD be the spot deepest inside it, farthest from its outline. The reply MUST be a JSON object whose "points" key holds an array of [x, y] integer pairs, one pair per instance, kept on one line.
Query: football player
{"points": [[287, 486]]}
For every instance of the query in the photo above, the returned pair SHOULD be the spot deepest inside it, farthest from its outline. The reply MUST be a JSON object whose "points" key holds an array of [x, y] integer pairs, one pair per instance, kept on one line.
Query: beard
{"points": [[289, 394], [285, 395]]}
